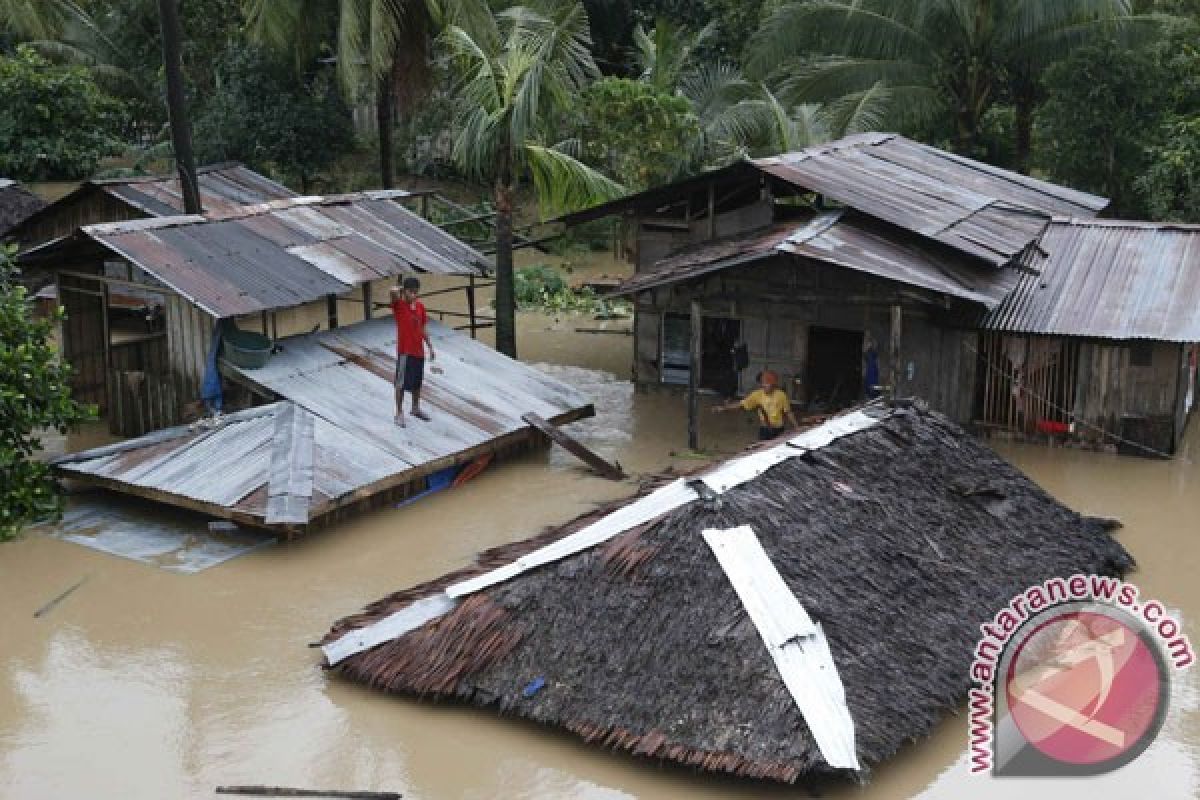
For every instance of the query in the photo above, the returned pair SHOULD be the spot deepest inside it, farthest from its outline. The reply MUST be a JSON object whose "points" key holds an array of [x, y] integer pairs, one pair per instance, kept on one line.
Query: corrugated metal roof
{"points": [[973, 207], [983, 211], [338, 398], [223, 187], [17, 204], [1109, 279], [845, 240], [286, 252]]}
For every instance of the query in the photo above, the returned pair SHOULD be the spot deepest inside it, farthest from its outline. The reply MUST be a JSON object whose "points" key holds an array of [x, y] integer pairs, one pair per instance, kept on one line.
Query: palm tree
{"points": [[514, 78], [381, 44], [934, 57], [37, 19]]}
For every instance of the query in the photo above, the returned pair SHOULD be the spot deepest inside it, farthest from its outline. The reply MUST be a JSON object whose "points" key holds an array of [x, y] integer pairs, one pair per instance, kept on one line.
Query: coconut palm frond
{"points": [[564, 184]]}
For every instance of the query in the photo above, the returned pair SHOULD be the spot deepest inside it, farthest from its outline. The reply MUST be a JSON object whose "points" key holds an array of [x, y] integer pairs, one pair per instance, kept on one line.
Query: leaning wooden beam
{"points": [[290, 488], [576, 448]]}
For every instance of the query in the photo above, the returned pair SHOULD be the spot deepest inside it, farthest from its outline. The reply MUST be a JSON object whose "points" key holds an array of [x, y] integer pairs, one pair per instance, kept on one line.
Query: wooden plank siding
{"points": [[779, 300]]}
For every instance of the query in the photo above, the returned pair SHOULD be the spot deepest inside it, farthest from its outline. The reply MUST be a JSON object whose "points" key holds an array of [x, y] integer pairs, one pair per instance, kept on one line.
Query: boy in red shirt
{"points": [[411, 340]]}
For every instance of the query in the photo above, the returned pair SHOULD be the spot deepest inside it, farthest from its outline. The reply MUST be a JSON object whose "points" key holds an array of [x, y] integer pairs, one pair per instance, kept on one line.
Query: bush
{"points": [[33, 395]]}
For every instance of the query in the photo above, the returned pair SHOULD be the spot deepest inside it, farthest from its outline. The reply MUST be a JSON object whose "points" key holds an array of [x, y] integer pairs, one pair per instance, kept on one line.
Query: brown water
{"points": [[147, 684]]}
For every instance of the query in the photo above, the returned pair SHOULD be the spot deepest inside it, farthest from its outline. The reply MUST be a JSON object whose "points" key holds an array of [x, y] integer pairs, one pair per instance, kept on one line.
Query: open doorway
{"points": [[719, 338], [834, 376]]}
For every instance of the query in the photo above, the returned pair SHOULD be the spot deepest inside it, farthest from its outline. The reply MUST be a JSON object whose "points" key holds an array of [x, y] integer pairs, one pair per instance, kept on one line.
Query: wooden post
{"points": [[368, 311], [694, 378], [331, 310], [897, 328], [265, 332], [712, 210], [471, 306]]}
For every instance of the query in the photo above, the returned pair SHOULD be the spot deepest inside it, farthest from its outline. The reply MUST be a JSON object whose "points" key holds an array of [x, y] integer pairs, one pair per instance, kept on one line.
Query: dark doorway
{"points": [[835, 359], [719, 337], [717, 368]]}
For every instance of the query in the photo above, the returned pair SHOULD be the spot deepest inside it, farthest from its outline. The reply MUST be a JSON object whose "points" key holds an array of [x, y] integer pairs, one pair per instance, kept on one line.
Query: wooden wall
{"points": [[780, 300], [656, 239], [91, 207]]}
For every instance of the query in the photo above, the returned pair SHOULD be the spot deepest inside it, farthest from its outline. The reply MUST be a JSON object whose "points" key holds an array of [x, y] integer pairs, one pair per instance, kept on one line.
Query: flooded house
{"points": [[876, 264], [269, 312], [743, 619], [16, 204], [1099, 337]]}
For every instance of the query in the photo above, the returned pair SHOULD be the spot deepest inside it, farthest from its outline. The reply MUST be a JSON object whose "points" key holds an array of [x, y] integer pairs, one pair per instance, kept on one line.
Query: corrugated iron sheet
{"points": [[1108, 279], [978, 209], [223, 187], [286, 252], [337, 409], [849, 241]]}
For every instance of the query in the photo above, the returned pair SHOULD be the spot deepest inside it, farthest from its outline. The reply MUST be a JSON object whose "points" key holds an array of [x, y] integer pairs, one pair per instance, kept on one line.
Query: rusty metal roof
{"points": [[842, 239], [285, 252], [223, 187], [331, 439], [983, 211], [16, 204], [973, 207], [1108, 279]]}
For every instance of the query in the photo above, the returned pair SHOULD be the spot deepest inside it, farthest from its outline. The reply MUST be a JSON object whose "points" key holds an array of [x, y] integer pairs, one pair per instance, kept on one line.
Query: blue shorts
{"points": [[410, 373]]}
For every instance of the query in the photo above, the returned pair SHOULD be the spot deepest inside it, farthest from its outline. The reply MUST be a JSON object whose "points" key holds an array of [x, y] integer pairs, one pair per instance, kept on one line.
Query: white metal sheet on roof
{"points": [[797, 645]]}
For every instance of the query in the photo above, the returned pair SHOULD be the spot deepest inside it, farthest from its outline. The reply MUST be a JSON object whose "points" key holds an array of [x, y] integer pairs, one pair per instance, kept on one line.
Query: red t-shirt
{"points": [[410, 327]]}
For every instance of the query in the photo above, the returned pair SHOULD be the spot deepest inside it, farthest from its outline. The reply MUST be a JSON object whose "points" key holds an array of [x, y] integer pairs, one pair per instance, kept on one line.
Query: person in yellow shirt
{"points": [[770, 402]]}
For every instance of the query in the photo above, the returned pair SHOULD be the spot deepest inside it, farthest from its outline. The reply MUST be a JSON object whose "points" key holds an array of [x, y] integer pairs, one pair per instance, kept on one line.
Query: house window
{"points": [[1141, 354]]}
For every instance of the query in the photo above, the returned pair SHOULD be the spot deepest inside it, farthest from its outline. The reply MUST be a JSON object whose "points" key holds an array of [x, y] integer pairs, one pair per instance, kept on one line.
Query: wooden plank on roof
{"points": [[796, 645], [290, 487]]}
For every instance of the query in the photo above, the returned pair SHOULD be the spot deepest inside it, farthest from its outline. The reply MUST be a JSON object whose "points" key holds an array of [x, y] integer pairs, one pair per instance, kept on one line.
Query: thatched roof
{"points": [[16, 203], [898, 540]]}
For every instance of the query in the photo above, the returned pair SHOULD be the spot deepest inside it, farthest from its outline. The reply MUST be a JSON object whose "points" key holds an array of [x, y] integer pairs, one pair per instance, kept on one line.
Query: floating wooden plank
{"points": [[797, 645], [289, 492], [575, 448], [284, 791]]}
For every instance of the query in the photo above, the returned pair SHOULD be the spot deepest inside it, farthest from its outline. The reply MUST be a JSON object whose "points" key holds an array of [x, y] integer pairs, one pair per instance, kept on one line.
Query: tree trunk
{"points": [[385, 118], [506, 305], [1024, 144], [181, 126]]}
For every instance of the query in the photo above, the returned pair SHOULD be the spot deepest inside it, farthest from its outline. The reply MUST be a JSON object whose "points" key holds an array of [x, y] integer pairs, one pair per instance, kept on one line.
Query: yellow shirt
{"points": [[774, 405]]}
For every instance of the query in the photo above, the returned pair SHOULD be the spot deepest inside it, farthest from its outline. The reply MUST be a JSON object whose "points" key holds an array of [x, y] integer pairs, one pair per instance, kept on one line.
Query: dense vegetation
{"points": [[33, 396]]}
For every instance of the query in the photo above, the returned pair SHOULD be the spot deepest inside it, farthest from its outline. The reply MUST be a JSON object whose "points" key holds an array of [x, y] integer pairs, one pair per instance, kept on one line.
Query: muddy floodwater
{"points": [[149, 684]]}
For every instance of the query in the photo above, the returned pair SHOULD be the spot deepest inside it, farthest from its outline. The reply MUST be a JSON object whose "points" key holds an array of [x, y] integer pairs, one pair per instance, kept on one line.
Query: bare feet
{"points": [[419, 414]]}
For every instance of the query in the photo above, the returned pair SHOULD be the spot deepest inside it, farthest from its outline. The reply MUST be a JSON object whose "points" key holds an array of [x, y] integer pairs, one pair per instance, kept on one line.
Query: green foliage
{"points": [[1171, 185], [264, 114], [55, 123], [1093, 130], [938, 59], [640, 135], [543, 288], [33, 396]]}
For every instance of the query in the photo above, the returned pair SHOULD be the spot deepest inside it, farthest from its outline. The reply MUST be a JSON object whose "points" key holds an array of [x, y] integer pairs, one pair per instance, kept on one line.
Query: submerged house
{"points": [[278, 268], [875, 263], [310, 432], [16, 204], [1099, 336], [808, 607]]}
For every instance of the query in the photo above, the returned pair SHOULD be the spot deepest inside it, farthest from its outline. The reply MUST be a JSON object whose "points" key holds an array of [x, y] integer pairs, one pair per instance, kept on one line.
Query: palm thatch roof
{"points": [[899, 539], [16, 204]]}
